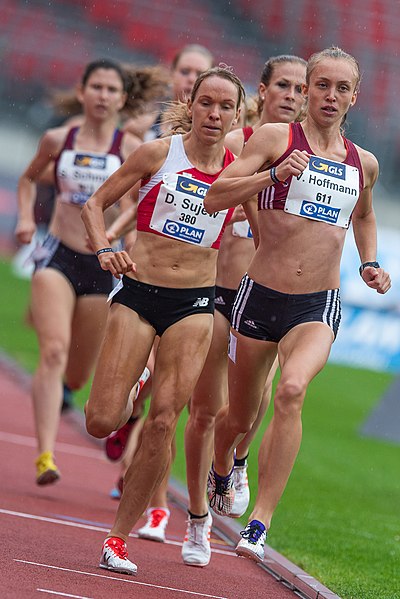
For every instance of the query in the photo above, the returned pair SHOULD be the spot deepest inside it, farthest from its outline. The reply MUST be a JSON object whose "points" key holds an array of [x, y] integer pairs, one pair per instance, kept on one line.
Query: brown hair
{"points": [[177, 118], [143, 85], [192, 48], [251, 110], [269, 68]]}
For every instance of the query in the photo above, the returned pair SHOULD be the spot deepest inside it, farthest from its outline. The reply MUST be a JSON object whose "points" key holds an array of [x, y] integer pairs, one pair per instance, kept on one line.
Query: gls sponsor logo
{"points": [[88, 161], [183, 231], [193, 188], [319, 165], [316, 211]]}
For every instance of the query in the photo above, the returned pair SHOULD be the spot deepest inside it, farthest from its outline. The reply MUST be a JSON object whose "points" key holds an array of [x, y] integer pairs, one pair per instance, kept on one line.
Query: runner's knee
{"points": [[54, 353], [289, 396], [201, 421], [99, 425]]}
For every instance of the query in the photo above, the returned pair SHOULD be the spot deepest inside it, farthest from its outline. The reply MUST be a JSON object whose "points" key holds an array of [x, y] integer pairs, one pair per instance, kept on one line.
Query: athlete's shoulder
{"points": [[129, 143], [370, 165], [271, 131], [53, 139], [234, 141], [149, 156], [156, 148]]}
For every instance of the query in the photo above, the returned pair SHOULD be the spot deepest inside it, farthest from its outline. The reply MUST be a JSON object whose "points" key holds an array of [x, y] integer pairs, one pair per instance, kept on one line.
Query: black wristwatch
{"points": [[365, 264]]}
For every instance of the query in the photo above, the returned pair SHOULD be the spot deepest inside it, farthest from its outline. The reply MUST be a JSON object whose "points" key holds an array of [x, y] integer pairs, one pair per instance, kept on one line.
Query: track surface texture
{"points": [[52, 535]]}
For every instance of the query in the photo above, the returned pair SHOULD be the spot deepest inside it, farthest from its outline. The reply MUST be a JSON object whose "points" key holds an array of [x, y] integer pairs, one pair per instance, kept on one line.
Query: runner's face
{"points": [[103, 94], [331, 90], [283, 96], [214, 108], [189, 67]]}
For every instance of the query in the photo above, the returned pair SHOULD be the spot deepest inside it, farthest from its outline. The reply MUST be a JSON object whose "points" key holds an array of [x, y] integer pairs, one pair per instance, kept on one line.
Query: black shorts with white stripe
{"points": [[266, 314]]}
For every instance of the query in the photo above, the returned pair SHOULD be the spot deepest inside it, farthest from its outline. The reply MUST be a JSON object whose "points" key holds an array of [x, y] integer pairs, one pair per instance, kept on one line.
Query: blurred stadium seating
{"points": [[45, 45]]}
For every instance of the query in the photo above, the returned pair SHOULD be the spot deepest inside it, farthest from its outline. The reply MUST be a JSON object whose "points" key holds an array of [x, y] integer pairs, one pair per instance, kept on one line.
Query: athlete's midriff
{"points": [[171, 263], [67, 225], [234, 257], [297, 255]]}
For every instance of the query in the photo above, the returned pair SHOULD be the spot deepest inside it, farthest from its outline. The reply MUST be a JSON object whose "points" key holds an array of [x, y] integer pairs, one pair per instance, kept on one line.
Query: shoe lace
{"points": [[222, 489], [195, 531], [156, 517], [45, 462], [118, 546], [252, 533]]}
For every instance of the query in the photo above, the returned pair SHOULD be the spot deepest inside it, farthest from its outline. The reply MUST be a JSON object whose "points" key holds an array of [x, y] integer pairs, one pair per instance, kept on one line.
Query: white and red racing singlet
{"points": [[171, 202]]}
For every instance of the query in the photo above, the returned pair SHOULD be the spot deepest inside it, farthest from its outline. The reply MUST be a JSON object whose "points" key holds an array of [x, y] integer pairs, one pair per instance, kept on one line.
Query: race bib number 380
{"points": [[326, 191], [179, 211]]}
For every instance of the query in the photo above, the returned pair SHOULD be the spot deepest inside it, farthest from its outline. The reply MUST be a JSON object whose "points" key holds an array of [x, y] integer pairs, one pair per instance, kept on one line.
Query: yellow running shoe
{"points": [[46, 470]]}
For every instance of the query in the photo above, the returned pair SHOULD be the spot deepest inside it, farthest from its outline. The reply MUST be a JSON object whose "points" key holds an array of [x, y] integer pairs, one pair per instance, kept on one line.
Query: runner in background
{"points": [[148, 87], [317, 183], [69, 288], [280, 99]]}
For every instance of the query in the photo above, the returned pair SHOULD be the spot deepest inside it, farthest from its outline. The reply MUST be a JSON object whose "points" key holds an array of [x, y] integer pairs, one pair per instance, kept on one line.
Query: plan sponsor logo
{"points": [[323, 166], [183, 232], [80, 197], [319, 212], [88, 161], [192, 187]]}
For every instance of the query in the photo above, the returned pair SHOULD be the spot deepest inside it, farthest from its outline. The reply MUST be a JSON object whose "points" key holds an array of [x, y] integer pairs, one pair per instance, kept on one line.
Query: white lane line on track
{"points": [[145, 584], [92, 527], [62, 594], [62, 447]]}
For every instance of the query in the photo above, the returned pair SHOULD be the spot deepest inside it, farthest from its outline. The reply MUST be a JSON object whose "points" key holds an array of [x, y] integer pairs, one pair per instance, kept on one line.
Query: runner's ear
{"points": [[354, 98]]}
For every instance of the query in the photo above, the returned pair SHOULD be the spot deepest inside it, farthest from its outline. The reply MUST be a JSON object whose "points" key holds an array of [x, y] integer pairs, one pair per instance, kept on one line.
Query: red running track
{"points": [[52, 535]]}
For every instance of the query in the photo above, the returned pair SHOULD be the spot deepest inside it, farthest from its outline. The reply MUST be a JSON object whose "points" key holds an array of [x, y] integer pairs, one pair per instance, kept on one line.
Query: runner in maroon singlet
{"points": [[288, 303]]}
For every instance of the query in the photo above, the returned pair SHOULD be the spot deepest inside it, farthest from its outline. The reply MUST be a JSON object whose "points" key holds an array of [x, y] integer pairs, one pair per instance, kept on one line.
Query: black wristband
{"points": [[104, 251], [365, 264], [274, 178]]}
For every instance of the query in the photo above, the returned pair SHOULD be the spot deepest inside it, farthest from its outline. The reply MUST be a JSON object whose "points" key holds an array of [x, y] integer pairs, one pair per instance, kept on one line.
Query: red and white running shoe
{"points": [[157, 520], [116, 442], [114, 557]]}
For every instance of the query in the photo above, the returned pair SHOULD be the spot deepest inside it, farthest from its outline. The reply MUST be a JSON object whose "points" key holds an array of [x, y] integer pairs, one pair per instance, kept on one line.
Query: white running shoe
{"points": [[253, 540], [196, 548], [242, 491], [114, 557], [157, 520], [220, 492]]}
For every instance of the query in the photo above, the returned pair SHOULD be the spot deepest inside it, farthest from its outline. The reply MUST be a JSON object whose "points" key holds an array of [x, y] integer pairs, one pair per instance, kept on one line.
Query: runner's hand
{"points": [[376, 278], [118, 263], [293, 165], [25, 230]]}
